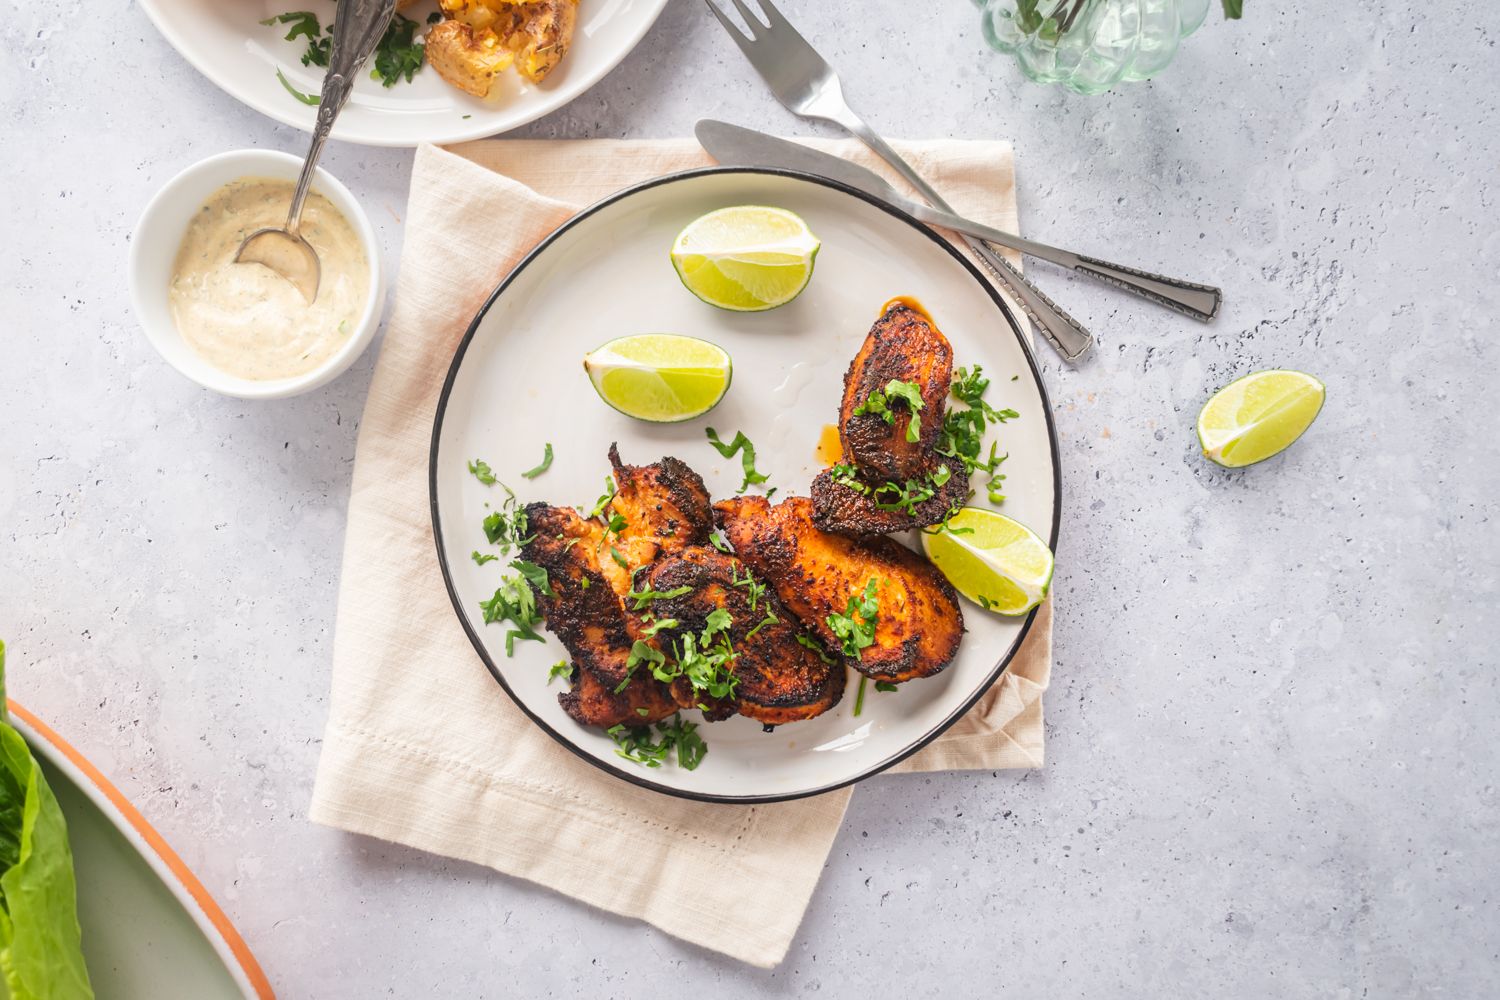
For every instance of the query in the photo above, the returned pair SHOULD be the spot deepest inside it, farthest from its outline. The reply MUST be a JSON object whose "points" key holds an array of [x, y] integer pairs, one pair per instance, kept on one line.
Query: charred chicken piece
{"points": [[665, 502], [863, 509], [778, 680], [591, 702], [903, 346], [587, 616], [814, 573]]}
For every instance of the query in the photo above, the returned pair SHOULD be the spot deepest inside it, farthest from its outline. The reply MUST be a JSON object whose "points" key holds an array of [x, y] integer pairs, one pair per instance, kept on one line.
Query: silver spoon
{"points": [[357, 28]]}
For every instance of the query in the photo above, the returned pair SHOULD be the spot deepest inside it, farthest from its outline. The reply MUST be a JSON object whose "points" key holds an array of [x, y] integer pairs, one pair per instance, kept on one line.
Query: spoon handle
{"points": [[357, 28]]}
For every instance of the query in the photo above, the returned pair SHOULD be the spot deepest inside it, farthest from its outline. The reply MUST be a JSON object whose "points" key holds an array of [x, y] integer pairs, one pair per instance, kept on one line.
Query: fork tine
{"points": [[756, 25], [773, 16], [730, 27]]}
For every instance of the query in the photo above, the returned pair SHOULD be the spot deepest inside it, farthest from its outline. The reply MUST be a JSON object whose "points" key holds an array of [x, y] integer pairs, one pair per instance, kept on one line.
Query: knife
{"points": [[731, 144]]}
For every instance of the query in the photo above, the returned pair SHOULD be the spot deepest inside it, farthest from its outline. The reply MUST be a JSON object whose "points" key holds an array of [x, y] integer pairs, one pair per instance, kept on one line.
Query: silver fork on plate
{"points": [[804, 82]]}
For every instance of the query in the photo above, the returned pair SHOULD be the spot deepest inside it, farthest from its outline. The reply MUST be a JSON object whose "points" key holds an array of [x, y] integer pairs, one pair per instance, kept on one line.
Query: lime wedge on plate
{"points": [[1257, 416], [660, 377], [997, 563], [747, 258]]}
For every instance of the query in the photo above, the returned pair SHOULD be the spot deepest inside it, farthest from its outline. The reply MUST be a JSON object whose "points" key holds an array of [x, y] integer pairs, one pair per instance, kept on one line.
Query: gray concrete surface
{"points": [[1272, 760]]}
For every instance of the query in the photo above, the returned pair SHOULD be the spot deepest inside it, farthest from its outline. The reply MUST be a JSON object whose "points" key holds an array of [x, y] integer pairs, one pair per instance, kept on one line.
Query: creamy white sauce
{"points": [[245, 319]]}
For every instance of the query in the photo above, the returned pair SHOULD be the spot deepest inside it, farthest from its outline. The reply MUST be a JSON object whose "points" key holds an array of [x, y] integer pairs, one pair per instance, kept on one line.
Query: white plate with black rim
{"points": [[227, 43], [517, 383]]}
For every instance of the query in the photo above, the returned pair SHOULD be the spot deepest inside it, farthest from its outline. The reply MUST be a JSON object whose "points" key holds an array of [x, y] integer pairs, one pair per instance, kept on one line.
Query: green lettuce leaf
{"points": [[40, 952]]}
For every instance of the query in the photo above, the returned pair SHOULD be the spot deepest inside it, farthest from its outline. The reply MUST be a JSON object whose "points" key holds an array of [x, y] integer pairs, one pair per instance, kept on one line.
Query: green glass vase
{"points": [[1089, 46]]}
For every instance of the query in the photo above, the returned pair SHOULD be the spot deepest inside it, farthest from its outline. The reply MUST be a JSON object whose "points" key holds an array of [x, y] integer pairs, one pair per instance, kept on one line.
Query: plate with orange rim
{"points": [[516, 382], [177, 940]]}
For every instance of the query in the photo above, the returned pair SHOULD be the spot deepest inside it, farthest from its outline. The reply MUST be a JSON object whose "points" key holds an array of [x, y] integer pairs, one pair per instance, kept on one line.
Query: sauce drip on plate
{"points": [[830, 450], [245, 319]]}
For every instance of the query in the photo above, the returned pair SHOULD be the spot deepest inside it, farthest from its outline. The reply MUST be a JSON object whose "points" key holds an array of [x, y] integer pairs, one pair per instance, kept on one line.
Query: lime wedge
{"points": [[747, 258], [660, 377], [1257, 416], [997, 563]]}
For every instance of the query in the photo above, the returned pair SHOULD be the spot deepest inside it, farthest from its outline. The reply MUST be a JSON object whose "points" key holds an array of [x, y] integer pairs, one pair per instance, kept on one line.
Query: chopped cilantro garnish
{"points": [[704, 658], [399, 55], [645, 597], [482, 472], [543, 467], [963, 429], [304, 24], [859, 696], [605, 499], [513, 602], [884, 686], [848, 475], [705, 661], [641, 652], [481, 558], [634, 743], [534, 575], [855, 628], [656, 626], [746, 451], [769, 619], [562, 668], [753, 591], [816, 647], [992, 487], [507, 526], [906, 496], [312, 99], [878, 403]]}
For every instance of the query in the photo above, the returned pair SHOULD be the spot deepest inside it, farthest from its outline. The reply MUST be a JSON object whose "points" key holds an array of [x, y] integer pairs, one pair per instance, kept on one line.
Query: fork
{"points": [[809, 88]]}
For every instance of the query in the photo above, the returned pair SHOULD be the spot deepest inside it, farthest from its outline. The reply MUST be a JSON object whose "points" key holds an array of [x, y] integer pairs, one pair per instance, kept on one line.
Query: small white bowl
{"points": [[153, 251]]}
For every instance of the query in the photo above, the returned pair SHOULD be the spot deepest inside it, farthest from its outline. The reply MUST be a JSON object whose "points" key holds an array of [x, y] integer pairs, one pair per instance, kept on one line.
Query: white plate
{"points": [[517, 383], [227, 43], [150, 928]]}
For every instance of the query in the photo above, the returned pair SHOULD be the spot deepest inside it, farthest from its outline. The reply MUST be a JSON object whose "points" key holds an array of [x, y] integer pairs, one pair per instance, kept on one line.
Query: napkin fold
{"points": [[422, 746]]}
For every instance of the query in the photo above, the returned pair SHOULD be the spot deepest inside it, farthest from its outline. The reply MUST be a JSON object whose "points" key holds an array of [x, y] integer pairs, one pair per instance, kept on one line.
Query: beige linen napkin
{"points": [[423, 747]]}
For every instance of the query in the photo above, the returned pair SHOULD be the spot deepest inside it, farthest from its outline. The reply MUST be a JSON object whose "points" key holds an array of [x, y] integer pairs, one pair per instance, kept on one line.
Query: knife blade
{"points": [[731, 144]]}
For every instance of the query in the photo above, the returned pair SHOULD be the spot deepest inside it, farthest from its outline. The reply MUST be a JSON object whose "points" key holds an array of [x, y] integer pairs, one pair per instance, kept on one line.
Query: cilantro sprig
{"points": [[855, 628], [740, 445], [878, 403], [816, 647], [674, 736], [507, 526], [543, 466], [515, 602], [398, 55], [482, 472], [642, 598]]}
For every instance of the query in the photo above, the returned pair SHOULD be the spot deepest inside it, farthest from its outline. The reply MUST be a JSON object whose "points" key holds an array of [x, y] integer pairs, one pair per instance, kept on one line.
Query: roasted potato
{"points": [[535, 34], [466, 58], [543, 37]]}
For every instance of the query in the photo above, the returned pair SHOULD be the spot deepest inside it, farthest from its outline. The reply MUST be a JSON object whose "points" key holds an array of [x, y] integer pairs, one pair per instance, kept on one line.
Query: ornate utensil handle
{"points": [[357, 28], [1198, 301]]}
